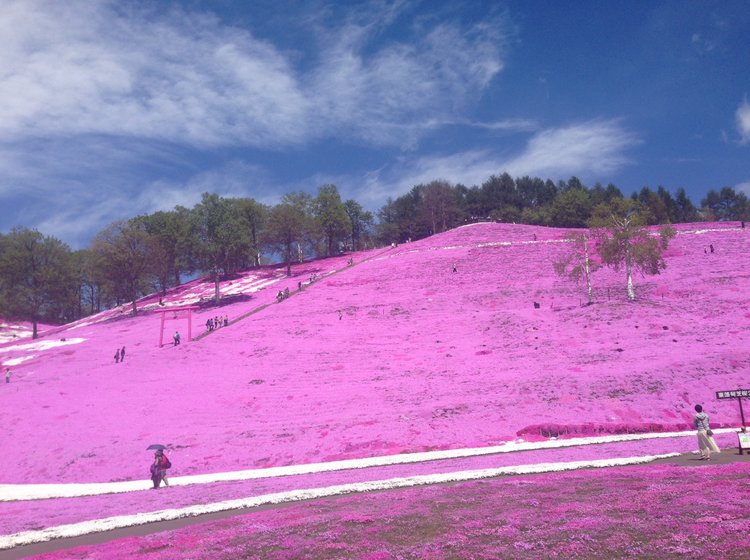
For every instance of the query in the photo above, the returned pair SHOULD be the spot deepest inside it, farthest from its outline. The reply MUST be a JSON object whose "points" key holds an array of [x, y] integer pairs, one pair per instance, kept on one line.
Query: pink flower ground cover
{"points": [[394, 354], [38, 514], [628, 512]]}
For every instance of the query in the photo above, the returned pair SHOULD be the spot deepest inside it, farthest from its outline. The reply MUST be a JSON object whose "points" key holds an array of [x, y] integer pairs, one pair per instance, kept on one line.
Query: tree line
{"points": [[438, 206], [43, 280]]}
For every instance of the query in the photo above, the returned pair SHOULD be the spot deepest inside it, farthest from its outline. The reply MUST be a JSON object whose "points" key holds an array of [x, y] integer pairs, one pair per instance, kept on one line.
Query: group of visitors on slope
{"points": [[120, 355], [217, 322], [282, 295]]}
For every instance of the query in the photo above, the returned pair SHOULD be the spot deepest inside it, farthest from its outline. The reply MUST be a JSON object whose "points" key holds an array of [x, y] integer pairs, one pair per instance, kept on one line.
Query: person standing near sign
{"points": [[706, 442]]}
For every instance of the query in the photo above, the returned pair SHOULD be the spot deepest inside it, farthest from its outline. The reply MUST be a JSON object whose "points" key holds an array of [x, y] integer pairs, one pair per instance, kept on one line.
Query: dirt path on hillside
{"points": [[730, 455], [727, 456]]}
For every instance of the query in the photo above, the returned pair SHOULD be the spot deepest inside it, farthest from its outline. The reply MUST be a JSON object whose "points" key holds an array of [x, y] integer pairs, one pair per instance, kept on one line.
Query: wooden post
{"points": [[742, 415], [742, 412], [190, 325], [161, 331]]}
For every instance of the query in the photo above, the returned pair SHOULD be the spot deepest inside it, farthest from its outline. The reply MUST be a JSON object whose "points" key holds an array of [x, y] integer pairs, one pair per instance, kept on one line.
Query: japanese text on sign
{"points": [[733, 394]]}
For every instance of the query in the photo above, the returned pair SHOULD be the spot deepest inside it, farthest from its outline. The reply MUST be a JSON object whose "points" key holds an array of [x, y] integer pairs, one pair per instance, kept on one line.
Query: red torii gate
{"points": [[185, 312]]}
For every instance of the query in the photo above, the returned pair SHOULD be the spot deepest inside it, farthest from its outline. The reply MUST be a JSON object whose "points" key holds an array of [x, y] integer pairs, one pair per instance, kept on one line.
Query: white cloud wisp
{"points": [[93, 67], [588, 149], [743, 121]]}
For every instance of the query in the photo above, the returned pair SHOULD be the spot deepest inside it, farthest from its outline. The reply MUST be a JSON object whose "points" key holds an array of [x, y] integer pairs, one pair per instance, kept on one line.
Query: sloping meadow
{"points": [[465, 339], [393, 354]]}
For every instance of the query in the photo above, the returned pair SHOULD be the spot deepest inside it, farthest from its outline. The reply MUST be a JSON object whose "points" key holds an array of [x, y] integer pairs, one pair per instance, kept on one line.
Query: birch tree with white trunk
{"points": [[623, 241], [576, 263]]}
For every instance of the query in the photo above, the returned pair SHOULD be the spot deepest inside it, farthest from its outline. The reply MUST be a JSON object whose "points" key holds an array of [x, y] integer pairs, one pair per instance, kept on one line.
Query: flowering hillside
{"points": [[395, 353], [465, 342]]}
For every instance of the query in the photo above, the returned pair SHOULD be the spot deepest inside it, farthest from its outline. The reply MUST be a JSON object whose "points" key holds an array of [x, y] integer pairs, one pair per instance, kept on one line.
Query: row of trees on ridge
{"points": [[41, 279], [439, 206]]}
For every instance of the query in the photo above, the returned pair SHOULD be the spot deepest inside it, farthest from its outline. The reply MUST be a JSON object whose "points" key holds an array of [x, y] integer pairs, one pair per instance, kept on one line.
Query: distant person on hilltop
{"points": [[122, 354], [706, 442], [117, 356], [455, 268], [711, 246], [7, 375]]}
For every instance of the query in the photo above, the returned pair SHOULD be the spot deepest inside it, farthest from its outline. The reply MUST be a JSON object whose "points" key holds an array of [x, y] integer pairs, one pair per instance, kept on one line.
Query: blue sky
{"points": [[109, 109]]}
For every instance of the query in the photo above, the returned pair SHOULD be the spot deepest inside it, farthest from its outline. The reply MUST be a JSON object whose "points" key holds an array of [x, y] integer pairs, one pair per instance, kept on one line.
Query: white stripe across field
{"points": [[18, 492], [118, 522]]}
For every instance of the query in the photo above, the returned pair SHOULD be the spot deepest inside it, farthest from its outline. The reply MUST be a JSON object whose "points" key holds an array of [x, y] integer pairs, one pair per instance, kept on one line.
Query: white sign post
{"points": [[744, 437]]}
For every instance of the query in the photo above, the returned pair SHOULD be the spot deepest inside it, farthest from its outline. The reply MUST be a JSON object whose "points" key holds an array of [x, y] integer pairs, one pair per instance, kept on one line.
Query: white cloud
{"points": [[84, 67], [392, 95], [590, 149], [702, 44], [105, 106], [94, 67], [743, 121], [743, 187]]}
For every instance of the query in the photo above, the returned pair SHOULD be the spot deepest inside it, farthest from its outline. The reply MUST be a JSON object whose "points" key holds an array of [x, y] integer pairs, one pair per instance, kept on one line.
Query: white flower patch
{"points": [[471, 246], [16, 361], [256, 284], [118, 522], [9, 333], [474, 224], [707, 230], [495, 244], [42, 345]]}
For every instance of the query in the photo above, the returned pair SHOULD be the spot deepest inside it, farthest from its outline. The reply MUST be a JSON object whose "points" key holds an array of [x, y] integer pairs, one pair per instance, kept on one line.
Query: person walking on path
{"points": [[159, 468], [7, 375], [706, 442], [122, 354], [117, 356], [176, 338]]}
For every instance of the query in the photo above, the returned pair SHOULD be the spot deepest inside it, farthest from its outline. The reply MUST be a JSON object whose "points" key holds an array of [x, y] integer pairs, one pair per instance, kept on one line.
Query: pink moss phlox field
{"points": [[36, 514], [655, 511], [394, 354]]}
